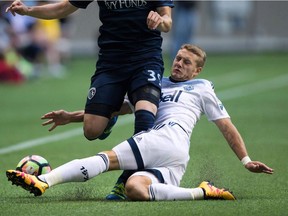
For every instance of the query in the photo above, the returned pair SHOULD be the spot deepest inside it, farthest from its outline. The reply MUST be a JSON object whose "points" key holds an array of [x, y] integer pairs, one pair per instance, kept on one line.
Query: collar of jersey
{"points": [[175, 81]]}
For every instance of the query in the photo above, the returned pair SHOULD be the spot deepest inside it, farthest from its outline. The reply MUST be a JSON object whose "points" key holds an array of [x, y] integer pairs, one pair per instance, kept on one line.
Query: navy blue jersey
{"points": [[124, 35]]}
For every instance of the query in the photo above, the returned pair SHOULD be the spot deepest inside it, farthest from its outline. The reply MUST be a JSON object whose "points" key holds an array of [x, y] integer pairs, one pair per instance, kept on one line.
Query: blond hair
{"points": [[197, 51]]}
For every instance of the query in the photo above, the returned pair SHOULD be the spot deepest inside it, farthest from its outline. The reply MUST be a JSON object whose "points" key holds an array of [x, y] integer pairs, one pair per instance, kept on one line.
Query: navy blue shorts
{"points": [[112, 81]]}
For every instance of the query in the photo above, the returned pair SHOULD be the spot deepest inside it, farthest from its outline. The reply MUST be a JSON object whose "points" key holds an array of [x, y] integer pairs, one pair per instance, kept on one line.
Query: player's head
{"points": [[188, 62], [196, 51]]}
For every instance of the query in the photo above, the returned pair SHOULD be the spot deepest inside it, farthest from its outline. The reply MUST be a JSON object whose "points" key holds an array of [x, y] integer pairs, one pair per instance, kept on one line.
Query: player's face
{"points": [[185, 66]]}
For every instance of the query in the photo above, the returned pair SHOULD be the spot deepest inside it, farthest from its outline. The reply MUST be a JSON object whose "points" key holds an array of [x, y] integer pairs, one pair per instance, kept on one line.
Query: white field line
{"points": [[56, 137], [253, 88], [232, 93]]}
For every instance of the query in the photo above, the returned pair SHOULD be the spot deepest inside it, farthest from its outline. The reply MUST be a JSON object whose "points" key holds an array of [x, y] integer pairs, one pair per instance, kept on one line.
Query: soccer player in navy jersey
{"points": [[129, 59], [160, 155]]}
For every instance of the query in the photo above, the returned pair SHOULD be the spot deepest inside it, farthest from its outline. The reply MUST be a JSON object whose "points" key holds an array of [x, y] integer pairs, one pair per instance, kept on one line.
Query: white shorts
{"points": [[163, 151], [152, 177]]}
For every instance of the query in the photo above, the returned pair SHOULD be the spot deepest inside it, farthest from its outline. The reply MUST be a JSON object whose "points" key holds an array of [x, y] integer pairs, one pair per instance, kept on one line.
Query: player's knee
{"points": [[146, 93], [94, 126], [91, 133], [135, 193], [136, 190]]}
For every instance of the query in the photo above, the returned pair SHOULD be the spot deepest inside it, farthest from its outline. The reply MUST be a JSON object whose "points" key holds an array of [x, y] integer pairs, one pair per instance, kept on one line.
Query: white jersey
{"points": [[185, 102], [164, 150]]}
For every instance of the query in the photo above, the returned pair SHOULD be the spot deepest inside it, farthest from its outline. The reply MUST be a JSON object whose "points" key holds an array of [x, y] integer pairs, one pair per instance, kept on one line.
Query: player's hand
{"points": [[60, 117], [258, 167], [17, 7], [154, 20]]}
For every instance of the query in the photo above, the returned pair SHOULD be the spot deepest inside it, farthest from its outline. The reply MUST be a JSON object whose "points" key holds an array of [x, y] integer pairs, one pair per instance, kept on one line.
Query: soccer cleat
{"points": [[117, 193], [108, 128], [212, 192], [26, 181]]}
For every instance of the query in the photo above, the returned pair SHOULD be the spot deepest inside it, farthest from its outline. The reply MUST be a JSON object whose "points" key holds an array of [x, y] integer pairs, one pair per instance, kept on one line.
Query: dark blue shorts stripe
{"points": [[136, 153], [104, 157], [151, 190], [157, 173]]}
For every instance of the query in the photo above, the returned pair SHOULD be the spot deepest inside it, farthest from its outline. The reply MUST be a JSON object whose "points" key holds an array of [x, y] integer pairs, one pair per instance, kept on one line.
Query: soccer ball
{"points": [[34, 165]]}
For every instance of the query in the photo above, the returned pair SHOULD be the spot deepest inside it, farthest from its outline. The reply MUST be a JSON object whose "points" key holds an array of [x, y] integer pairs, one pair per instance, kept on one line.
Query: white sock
{"points": [[78, 170], [160, 191]]}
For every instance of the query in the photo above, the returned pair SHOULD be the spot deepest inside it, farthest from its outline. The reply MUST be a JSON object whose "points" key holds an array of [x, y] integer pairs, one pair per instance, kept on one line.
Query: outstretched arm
{"points": [[47, 11], [63, 117], [237, 144]]}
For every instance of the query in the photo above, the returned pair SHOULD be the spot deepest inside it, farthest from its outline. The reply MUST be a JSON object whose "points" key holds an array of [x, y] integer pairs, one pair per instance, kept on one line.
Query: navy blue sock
{"points": [[144, 120]]}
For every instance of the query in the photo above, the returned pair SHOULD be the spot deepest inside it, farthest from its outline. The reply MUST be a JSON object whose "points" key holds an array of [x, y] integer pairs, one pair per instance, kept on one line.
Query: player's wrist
{"points": [[245, 160]]}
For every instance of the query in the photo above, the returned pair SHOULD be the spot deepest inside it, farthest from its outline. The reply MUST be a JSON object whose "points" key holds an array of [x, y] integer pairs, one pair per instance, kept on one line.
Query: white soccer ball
{"points": [[34, 165]]}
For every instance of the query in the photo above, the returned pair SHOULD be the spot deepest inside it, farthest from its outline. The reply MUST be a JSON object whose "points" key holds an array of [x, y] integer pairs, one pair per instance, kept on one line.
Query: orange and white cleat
{"points": [[26, 181], [212, 192]]}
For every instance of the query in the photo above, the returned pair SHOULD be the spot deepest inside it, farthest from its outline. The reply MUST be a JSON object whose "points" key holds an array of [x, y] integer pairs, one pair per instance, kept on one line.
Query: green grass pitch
{"points": [[253, 89]]}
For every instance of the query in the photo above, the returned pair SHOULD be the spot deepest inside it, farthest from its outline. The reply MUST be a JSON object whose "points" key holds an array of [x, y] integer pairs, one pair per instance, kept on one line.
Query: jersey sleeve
{"points": [[212, 106], [163, 3], [80, 4]]}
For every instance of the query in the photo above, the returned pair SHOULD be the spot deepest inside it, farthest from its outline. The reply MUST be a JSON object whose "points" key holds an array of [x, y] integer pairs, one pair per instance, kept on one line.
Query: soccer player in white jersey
{"points": [[159, 156]]}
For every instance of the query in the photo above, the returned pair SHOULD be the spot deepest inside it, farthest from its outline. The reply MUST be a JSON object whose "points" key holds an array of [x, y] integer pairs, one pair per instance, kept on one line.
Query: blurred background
{"points": [[218, 26], [31, 48]]}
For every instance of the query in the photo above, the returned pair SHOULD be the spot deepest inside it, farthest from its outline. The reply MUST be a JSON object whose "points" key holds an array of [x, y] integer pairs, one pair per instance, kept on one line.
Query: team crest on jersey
{"points": [[91, 93], [188, 87], [221, 106]]}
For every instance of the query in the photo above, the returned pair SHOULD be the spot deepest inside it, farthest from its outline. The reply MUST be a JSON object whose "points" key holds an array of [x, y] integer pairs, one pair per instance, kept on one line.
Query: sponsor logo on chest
{"points": [[119, 4], [174, 97]]}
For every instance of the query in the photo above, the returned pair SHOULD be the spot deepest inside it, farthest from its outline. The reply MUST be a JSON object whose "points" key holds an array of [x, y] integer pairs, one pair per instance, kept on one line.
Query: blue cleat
{"points": [[108, 128], [117, 193]]}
